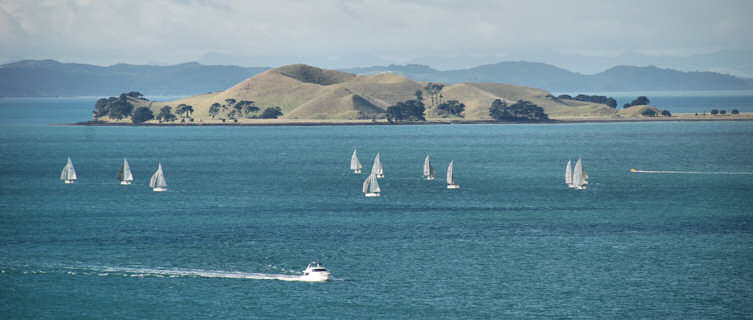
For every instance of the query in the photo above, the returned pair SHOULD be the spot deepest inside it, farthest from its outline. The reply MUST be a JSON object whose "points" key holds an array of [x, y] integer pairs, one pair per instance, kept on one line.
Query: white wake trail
{"points": [[686, 172]]}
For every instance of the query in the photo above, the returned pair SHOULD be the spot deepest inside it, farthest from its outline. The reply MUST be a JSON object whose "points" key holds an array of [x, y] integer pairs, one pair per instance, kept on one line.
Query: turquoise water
{"points": [[246, 204]]}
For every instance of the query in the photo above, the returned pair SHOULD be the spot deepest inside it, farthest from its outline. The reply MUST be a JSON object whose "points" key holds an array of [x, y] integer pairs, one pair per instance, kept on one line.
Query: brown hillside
{"points": [[338, 103]]}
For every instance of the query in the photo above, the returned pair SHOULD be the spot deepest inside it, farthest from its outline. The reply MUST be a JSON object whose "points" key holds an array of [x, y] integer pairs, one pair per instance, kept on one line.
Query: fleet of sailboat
{"points": [[124, 175], [428, 169], [451, 177], [69, 172], [355, 165], [158, 183]]}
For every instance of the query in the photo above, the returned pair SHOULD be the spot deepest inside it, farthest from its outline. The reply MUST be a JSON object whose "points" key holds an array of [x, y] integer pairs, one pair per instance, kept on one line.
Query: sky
{"points": [[347, 33]]}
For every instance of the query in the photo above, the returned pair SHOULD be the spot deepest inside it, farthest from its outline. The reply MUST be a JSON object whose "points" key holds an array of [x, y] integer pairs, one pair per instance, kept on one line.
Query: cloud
{"points": [[172, 31]]}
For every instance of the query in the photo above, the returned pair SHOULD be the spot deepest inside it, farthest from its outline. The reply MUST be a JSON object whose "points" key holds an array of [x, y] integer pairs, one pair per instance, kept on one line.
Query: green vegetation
{"points": [[734, 111], [451, 107], [271, 113], [640, 101], [117, 107], [142, 114], [184, 111], [648, 113], [595, 99], [714, 111], [214, 109], [666, 113], [435, 93], [723, 112], [522, 110], [166, 115], [410, 110]]}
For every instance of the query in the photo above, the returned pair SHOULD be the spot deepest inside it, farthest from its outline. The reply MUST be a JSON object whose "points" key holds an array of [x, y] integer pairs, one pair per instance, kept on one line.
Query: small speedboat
{"points": [[315, 272]]}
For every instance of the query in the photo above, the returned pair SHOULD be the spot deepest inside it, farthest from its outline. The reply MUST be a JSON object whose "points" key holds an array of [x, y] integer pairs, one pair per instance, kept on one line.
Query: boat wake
{"points": [[105, 271], [687, 172]]}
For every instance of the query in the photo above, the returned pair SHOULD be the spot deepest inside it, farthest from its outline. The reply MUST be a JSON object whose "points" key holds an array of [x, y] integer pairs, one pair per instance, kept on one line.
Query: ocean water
{"points": [[248, 207]]}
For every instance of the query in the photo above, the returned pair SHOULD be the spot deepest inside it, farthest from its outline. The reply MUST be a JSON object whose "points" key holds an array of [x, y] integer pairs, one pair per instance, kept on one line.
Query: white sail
{"points": [[450, 175], [371, 184], [158, 179], [355, 165], [578, 180], [125, 172], [69, 172], [428, 169], [568, 173], [377, 167]]}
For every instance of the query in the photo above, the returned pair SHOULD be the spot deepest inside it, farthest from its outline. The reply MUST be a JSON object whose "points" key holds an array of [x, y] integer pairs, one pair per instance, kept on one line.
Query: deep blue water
{"points": [[248, 203]]}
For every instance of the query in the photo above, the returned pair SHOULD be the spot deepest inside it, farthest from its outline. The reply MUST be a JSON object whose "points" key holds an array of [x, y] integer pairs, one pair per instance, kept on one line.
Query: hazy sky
{"points": [[259, 33]]}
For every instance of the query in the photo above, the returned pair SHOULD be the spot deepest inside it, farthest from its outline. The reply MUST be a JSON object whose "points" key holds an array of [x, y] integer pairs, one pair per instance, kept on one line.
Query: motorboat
{"points": [[315, 272]]}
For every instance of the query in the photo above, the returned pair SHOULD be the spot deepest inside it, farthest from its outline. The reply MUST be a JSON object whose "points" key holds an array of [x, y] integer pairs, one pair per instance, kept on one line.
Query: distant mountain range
{"points": [[49, 78]]}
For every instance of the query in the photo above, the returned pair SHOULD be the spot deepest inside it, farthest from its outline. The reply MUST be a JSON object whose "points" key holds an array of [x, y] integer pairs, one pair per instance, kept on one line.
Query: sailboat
{"points": [[371, 186], [69, 173], [355, 165], [569, 174], [451, 178], [579, 176], [124, 175], [377, 167], [158, 183], [428, 169]]}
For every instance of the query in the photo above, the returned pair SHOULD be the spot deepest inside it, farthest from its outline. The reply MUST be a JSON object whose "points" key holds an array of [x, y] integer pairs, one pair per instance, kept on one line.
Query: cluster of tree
{"points": [[640, 101], [723, 112], [410, 110], [116, 107], [652, 113], [142, 114], [595, 99], [435, 93], [165, 114], [522, 110], [451, 107], [244, 108]]}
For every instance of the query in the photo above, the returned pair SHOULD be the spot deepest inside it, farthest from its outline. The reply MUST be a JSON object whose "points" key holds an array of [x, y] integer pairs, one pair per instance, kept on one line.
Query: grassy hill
{"points": [[309, 93]]}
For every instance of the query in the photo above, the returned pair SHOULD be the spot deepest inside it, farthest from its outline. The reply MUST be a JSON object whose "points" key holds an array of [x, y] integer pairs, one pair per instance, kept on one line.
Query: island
{"points": [[306, 95]]}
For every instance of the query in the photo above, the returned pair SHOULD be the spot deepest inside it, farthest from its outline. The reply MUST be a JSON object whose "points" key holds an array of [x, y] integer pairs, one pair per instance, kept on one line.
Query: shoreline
{"points": [[309, 123]]}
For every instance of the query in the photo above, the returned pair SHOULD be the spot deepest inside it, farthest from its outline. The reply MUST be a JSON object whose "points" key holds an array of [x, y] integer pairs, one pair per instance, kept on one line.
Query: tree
{"points": [[648, 113], [120, 109], [452, 107], [522, 110], [723, 112], [666, 113], [271, 113], [142, 114], [499, 110], [640, 101], [245, 107], [611, 103], [184, 110], [625, 106], [214, 109], [411, 110], [734, 111], [165, 114], [135, 95], [435, 93], [714, 111], [419, 95], [565, 97]]}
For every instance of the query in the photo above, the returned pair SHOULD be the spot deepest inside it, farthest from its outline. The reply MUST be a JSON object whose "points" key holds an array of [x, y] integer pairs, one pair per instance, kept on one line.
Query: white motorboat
{"points": [[315, 272]]}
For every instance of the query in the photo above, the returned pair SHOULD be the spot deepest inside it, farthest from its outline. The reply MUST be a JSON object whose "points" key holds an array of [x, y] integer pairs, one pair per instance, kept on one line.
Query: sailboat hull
{"points": [[125, 183], [430, 178], [453, 186], [159, 189], [380, 176], [70, 181], [357, 171], [372, 195]]}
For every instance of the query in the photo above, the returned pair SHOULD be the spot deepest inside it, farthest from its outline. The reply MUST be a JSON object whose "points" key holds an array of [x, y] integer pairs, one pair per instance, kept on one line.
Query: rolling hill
{"points": [[306, 92]]}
